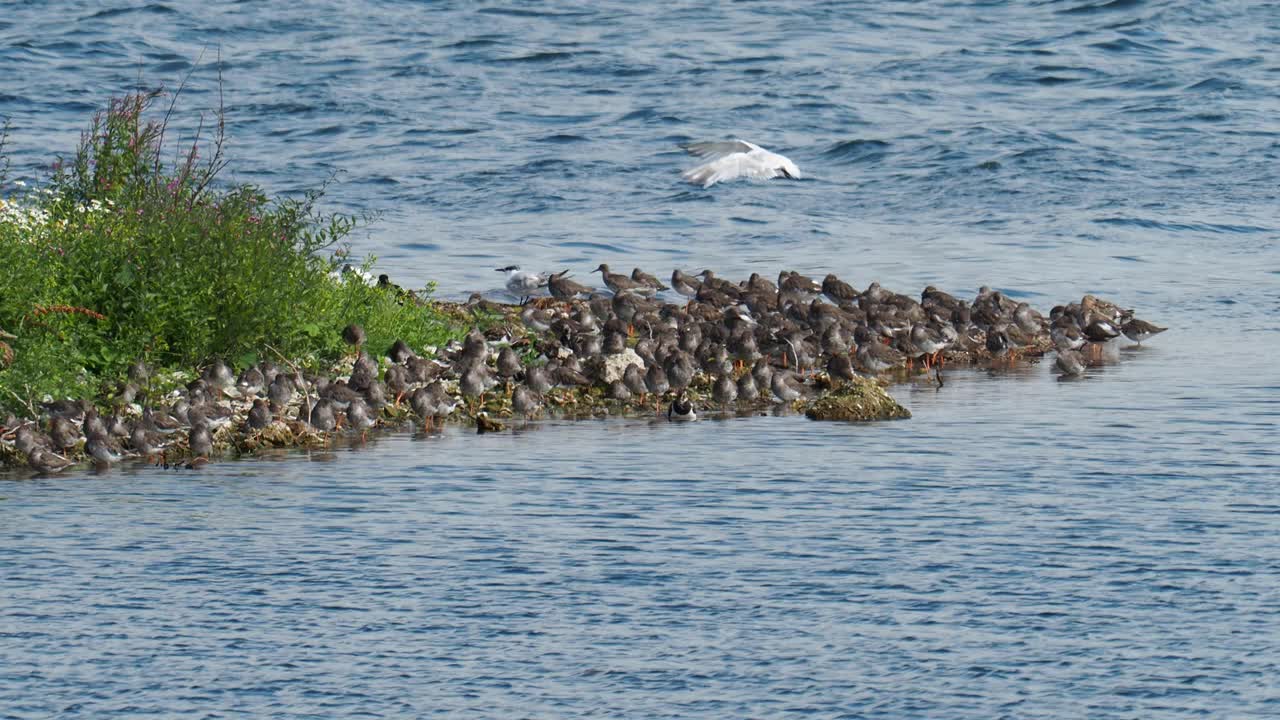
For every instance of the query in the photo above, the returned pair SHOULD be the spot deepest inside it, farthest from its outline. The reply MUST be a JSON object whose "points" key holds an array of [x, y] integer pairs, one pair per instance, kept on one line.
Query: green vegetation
{"points": [[124, 255]]}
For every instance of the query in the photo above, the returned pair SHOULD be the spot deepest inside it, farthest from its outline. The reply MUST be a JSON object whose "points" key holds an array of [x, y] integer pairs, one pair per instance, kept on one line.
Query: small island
{"points": [[152, 312]]}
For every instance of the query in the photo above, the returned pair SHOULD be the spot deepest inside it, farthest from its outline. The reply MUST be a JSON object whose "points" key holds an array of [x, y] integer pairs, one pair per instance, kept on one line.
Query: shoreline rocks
{"points": [[857, 401], [821, 349]]}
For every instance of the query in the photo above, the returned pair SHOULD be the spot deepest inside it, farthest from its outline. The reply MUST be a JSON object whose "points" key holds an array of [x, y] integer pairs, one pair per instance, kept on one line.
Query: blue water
{"points": [[1021, 548]]}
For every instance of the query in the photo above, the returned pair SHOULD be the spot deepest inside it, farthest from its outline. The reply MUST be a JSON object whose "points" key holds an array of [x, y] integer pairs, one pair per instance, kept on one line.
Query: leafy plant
{"points": [[152, 259]]}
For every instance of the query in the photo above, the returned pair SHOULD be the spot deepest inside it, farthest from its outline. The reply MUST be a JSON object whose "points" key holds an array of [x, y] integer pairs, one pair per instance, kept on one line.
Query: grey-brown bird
{"points": [[793, 282], [785, 386], [396, 379], [1070, 362], [724, 391], [359, 417], [363, 373], [424, 406], [159, 422], [562, 288], [840, 367], [218, 376], [655, 378], [876, 357], [538, 379], [47, 462], [508, 363], [647, 280], [148, 444], [525, 401], [1139, 330], [322, 416], [838, 290], [686, 285], [259, 414], [633, 377], [103, 449], [621, 283], [400, 352], [200, 441], [64, 433], [353, 334], [250, 382], [280, 392], [618, 390]]}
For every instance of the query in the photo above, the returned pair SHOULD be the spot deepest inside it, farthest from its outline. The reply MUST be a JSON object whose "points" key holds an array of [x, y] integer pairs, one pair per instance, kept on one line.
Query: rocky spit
{"points": [[821, 347]]}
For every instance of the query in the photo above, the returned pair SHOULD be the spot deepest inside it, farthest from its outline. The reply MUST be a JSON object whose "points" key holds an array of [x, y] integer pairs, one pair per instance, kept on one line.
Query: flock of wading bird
{"points": [[730, 345]]}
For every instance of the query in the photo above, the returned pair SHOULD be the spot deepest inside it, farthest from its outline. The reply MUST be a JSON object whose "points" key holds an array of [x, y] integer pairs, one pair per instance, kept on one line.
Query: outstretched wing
{"points": [[719, 149], [730, 167]]}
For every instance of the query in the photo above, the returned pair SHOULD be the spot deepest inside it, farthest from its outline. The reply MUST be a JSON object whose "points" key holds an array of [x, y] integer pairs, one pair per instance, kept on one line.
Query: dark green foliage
{"points": [[125, 256]]}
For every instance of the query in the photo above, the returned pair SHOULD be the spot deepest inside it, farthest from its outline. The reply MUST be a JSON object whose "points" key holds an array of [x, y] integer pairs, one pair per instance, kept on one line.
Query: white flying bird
{"points": [[733, 159]]}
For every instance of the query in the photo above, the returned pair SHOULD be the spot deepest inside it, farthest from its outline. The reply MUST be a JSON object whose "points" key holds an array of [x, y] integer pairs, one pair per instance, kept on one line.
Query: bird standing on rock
{"points": [[259, 414], [618, 390], [200, 442], [647, 280], [102, 449], [793, 282], [840, 367], [1101, 330], [562, 288], [522, 283], [929, 342], [322, 416], [363, 373], [724, 391], [524, 401], [359, 417], [538, 379], [876, 357], [423, 405], [218, 376], [633, 377], [785, 386], [655, 379], [838, 290], [47, 462], [621, 283], [146, 443], [508, 363], [686, 285]]}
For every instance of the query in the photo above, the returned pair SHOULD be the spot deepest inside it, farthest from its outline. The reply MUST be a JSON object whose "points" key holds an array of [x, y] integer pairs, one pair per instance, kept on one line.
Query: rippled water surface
{"points": [[1022, 547]]}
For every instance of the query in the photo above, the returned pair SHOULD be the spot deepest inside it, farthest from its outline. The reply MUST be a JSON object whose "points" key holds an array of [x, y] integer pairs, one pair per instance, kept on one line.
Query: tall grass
{"points": [[124, 255]]}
